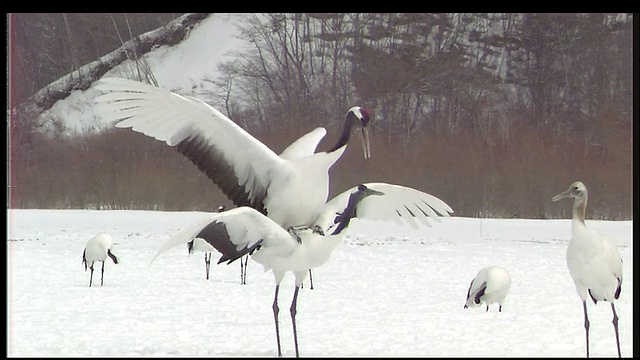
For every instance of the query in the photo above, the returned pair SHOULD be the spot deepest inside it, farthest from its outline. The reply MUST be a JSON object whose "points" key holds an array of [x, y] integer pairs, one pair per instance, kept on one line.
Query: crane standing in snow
{"points": [[97, 249], [593, 261]]}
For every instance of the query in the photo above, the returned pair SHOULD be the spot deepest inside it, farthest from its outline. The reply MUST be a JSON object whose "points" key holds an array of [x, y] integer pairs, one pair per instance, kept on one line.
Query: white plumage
{"points": [[290, 188], [593, 261], [244, 230], [490, 286], [97, 249]]}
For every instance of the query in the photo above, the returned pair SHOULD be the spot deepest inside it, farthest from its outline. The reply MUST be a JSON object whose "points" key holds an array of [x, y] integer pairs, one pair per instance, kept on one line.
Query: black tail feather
{"points": [[113, 257], [190, 246], [480, 293], [235, 256], [618, 289]]}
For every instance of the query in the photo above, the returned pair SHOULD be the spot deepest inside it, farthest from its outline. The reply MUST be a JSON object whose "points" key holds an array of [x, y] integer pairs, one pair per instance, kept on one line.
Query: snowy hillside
{"points": [[187, 67]]}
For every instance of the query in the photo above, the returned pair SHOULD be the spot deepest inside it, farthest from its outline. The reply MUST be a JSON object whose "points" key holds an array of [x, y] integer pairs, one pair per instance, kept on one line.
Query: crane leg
{"points": [[586, 324], [294, 304], [275, 317], [207, 264], [615, 328], [102, 275], [246, 262]]}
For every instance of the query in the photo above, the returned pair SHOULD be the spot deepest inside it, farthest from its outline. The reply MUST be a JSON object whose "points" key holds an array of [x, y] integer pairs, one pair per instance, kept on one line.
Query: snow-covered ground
{"points": [[387, 291]]}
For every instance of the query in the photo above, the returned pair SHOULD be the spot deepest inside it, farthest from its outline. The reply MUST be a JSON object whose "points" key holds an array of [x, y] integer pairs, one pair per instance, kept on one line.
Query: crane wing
{"points": [[401, 204], [233, 159], [234, 233]]}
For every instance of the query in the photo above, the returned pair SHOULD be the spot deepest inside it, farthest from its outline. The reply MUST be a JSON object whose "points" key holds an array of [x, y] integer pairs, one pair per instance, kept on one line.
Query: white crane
{"points": [[244, 230], [593, 261], [289, 188], [490, 285], [97, 249]]}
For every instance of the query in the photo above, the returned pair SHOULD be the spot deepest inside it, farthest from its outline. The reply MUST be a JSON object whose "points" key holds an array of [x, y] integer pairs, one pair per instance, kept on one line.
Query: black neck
{"points": [[349, 212], [343, 222], [349, 123]]}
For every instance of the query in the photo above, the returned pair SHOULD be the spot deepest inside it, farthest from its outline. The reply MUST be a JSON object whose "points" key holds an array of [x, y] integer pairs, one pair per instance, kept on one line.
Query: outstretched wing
{"points": [[401, 204], [233, 159], [234, 233]]}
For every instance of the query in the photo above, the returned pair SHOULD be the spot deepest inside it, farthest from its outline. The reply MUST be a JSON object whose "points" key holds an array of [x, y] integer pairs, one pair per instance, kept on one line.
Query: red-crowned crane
{"points": [[98, 248], [490, 285], [290, 188], [593, 261]]}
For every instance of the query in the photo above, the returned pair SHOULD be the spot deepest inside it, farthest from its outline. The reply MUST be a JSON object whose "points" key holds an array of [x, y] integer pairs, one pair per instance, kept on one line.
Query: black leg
{"points": [[487, 308], [102, 275], [207, 264], [586, 325], [294, 303], [275, 317], [91, 277], [615, 328], [246, 262], [311, 279], [500, 308], [243, 270]]}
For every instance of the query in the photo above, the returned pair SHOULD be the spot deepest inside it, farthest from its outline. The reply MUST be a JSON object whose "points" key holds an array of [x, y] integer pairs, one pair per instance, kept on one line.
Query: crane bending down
{"points": [[98, 248], [290, 188], [244, 230], [593, 261], [490, 285]]}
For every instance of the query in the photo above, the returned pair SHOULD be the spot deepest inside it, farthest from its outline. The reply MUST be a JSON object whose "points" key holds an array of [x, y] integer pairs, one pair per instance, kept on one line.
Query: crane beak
{"points": [[562, 195], [365, 142], [370, 191]]}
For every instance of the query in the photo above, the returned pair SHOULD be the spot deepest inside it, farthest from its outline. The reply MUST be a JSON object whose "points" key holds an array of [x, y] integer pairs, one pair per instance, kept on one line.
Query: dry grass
{"points": [[122, 169]]}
